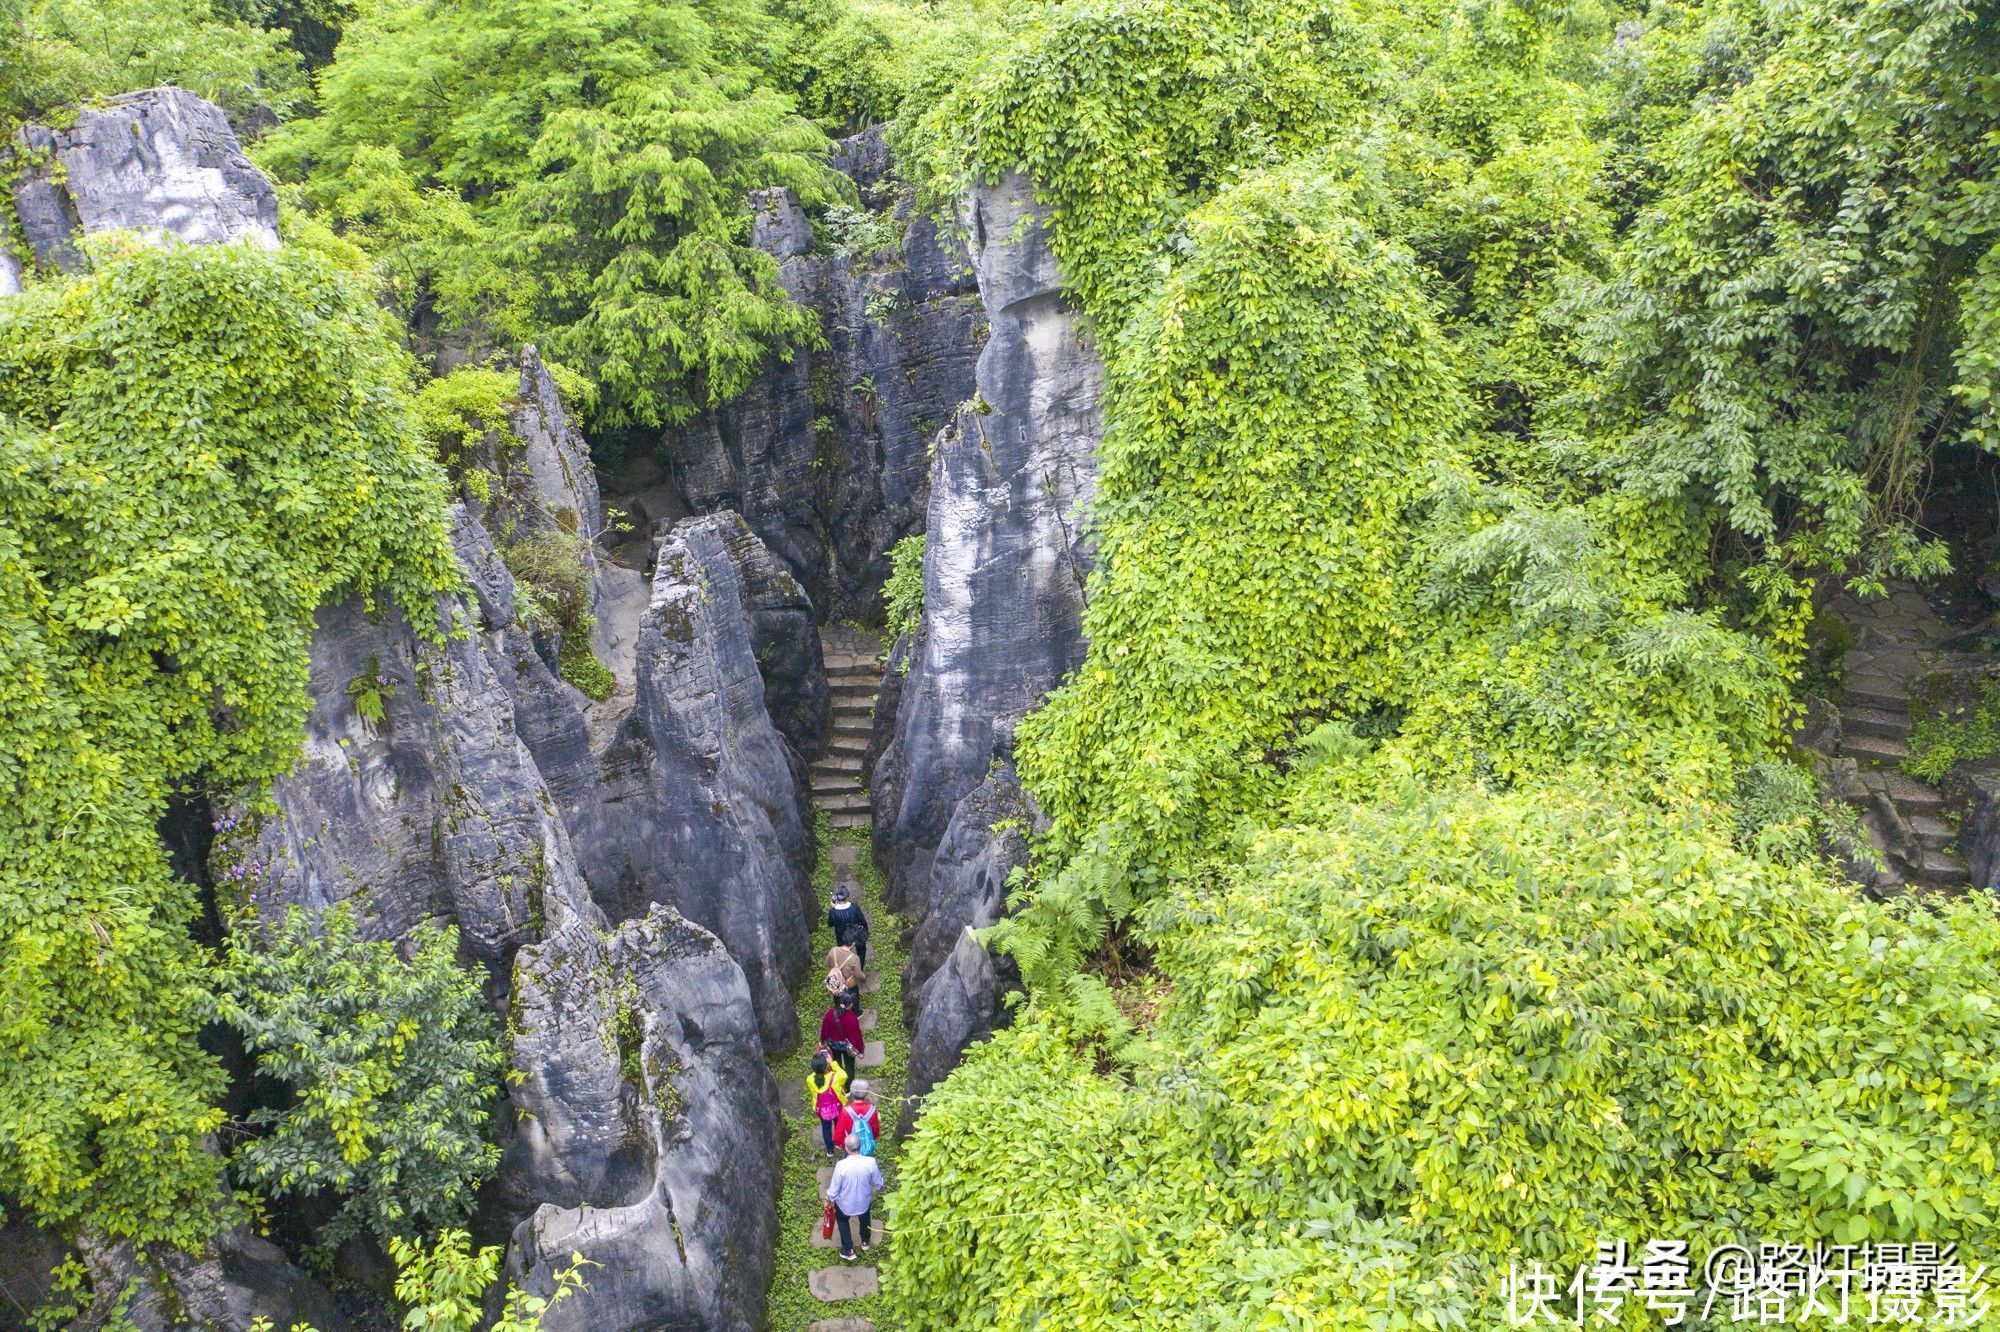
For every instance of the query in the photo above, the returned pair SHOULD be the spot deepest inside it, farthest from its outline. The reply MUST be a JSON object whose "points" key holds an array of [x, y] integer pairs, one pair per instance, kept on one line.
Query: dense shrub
{"points": [[200, 447], [392, 1063], [1428, 1037]]}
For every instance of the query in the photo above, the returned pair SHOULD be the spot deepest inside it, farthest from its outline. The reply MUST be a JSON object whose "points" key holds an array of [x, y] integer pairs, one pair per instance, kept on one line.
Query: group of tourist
{"points": [[849, 1123]]}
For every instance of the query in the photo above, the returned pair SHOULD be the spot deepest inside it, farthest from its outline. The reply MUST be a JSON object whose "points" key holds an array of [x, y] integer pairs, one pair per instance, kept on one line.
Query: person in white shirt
{"points": [[856, 1181]]}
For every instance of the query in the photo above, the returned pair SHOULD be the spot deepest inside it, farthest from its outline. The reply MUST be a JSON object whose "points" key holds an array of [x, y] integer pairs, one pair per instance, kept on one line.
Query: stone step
{"points": [[844, 746], [1874, 748], [848, 821], [848, 802], [1874, 691], [829, 790], [833, 1284], [1909, 795], [837, 763], [1882, 722], [855, 712], [851, 663], [854, 683], [1933, 832], [857, 725], [872, 1056], [1938, 869], [841, 1325]]}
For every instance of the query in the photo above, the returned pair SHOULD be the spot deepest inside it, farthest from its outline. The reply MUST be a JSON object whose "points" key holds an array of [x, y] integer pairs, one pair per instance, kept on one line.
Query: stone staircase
{"points": [[853, 671], [1899, 640]]}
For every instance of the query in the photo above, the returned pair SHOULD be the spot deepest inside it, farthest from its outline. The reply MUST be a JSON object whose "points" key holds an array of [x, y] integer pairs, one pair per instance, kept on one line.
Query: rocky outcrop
{"points": [[1006, 551], [236, 1281], [826, 455], [414, 798], [986, 841], [1006, 555], [649, 1129], [954, 991], [701, 805], [963, 1002], [161, 162]]}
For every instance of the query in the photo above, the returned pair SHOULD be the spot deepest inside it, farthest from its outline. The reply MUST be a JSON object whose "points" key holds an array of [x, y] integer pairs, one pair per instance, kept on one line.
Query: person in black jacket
{"points": [[850, 927]]}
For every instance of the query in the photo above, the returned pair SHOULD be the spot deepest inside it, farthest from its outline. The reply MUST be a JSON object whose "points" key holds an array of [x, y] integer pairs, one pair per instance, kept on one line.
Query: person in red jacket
{"points": [[840, 1031], [860, 1108]]}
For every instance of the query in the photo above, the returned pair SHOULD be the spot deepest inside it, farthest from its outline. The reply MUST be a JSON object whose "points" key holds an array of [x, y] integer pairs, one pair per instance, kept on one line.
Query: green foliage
{"points": [[198, 447], [1433, 1036], [392, 1064], [370, 693], [551, 581], [57, 53], [855, 63], [552, 591], [1940, 742], [903, 592], [1805, 310], [465, 406], [443, 1288], [1484, 392], [573, 175]]}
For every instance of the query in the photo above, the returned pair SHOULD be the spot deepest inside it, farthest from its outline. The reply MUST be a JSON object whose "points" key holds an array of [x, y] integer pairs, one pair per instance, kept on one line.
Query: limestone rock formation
{"points": [[702, 803], [1006, 555], [986, 841], [961, 1003], [825, 456], [1006, 550], [953, 990], [433, 811], [161, 162], [238, 1280], [649, 1128]]}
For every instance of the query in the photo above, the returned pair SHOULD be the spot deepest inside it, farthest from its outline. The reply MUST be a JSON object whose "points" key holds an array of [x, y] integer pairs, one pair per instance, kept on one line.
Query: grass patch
{"points": [[792, 1307]]}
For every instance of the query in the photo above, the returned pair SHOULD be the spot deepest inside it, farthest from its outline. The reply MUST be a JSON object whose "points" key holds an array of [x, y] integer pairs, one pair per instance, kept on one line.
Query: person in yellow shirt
{"points": [[826, 1096]]}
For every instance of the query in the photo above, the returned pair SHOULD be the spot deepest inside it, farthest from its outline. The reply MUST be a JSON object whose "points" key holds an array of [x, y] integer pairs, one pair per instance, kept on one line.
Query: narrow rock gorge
{"points": [[633, 873]]}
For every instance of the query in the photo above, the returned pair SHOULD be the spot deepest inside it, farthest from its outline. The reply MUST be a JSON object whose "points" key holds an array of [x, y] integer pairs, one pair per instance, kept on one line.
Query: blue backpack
{"points": [[864, 1135]]}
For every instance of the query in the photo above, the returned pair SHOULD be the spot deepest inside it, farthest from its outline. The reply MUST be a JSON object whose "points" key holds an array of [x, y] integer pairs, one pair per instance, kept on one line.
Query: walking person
{"points": [[860, 1120], [849, 923], [856, 1181], [843, 969], [840, 1032], [826, 1088]]}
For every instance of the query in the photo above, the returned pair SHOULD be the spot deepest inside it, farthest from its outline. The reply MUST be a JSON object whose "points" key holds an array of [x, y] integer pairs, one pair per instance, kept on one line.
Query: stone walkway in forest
{"points": [[813, 1290], [1899, 640]]}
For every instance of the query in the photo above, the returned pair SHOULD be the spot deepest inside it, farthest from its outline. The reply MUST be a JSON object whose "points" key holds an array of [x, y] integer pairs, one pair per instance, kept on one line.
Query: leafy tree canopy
{"points": [[57, 53], [573, 175], [198, 447]]}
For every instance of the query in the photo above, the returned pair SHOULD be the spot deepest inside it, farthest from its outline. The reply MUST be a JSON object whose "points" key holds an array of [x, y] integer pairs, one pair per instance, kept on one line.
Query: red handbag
{"points": [[826, 1223]]}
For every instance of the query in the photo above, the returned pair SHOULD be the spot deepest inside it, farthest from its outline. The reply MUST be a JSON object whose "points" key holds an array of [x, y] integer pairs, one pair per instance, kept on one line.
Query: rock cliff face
{"points": [[702, 804], [161, 162], [826, 455], [1005, 559], [656, 1150]]}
